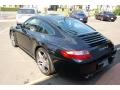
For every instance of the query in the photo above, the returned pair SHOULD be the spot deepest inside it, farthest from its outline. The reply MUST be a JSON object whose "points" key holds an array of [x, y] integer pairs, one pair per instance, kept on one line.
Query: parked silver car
{"points": [[24, 13]]}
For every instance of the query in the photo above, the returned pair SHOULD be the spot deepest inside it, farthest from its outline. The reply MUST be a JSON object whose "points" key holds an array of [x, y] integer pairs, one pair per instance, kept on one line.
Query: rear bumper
{"points": [[86, 67], [84, 20], [110, 18]]}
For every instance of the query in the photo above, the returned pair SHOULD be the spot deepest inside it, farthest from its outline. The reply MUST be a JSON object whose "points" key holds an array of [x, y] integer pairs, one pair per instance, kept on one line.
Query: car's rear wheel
{"points": [[13, 39], [113, 20], [85, 21], [44, 62]]}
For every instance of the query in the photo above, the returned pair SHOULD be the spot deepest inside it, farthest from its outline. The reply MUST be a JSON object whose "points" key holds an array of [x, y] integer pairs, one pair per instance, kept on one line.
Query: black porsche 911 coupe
{"points": [[106, 16], [53, 40]]}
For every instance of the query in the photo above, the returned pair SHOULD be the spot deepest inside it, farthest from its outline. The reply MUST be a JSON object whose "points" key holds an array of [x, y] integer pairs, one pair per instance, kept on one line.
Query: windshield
{"points": [[74, 27], [26, 11]]}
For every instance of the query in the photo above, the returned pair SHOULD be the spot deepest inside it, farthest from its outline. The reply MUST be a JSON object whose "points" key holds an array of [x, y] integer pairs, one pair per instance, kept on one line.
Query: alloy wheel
{"points": [[43, 61]]}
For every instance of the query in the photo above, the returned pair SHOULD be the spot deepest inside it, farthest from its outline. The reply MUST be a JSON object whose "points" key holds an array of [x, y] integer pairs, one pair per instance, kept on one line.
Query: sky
{"points": [[59, 2]]}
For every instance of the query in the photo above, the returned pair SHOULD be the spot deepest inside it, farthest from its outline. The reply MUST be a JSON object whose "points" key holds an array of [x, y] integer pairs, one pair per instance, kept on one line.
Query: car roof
{"points": [[27, 8], [107, 12], [78, 11], [51, 18]]}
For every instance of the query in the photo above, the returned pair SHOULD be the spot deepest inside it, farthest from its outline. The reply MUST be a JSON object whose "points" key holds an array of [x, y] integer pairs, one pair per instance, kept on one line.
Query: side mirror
{"points": [[21, 26], [18, 27]]}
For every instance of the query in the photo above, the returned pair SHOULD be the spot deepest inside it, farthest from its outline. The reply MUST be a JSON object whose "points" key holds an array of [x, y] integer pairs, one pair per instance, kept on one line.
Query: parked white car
{"points": [[24, 13]]}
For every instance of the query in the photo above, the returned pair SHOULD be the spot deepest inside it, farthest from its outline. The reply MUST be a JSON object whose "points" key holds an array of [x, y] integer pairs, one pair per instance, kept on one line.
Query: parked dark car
{"points": [[56, 40], [79, 15], [106, 16]]}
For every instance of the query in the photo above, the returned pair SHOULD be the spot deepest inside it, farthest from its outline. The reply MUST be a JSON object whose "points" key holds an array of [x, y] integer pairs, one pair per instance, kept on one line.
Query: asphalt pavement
{"points": [[17, 67]]}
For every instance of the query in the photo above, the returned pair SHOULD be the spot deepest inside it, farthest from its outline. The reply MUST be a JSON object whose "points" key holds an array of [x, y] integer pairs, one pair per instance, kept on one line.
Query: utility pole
{"points": [[0, 12]]}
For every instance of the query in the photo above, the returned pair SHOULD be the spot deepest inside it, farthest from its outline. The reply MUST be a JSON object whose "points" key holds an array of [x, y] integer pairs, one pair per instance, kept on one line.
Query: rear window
{"points": [[80, 14], [109, 13], [26, 11], [74, 27]]}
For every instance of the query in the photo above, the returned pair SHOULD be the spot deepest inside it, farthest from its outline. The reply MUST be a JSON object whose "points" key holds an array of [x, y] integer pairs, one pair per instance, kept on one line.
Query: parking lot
{"points": [[17, 67]]}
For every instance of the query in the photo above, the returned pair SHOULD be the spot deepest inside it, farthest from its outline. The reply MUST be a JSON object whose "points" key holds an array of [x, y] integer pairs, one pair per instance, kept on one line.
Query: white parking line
{"points": [[39, 80]]}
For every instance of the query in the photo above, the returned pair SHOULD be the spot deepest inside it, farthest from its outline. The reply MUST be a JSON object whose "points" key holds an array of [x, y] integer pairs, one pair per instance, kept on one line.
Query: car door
{"points": [[25, 35], [20, 34]]}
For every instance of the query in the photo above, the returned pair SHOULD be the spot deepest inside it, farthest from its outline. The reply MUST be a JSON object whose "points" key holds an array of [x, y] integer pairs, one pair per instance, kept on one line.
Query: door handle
{"points": [[24, 31]]}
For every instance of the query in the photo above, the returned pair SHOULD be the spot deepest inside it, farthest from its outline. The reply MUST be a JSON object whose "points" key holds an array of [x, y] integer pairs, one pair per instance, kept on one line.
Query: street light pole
{"points": [[0, 11]]}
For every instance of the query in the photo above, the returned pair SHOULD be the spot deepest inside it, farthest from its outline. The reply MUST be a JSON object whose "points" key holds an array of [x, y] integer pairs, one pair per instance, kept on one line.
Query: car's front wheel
{"points": [[44, 62], [13, 39], [102, 19]]}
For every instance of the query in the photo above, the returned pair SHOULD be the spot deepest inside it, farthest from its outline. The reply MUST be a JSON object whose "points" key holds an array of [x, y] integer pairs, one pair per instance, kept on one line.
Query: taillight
{"points": [[78, 55]]}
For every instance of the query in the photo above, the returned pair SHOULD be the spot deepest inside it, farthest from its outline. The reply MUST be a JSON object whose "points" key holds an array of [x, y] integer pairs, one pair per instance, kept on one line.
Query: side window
{"points": [[27, 21], [32, 21], [32, 24], [36, 25], [46, 29]]}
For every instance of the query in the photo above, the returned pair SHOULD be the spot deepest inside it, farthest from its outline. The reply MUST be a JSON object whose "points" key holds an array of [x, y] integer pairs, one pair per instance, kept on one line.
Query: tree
{"points": [[117, 10]]}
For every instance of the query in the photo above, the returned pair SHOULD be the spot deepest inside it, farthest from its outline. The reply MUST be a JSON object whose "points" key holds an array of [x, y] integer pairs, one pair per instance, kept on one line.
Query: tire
{"points": [[102, 19], [96, 18], [44, 62], [110, 20], [13, 39]]}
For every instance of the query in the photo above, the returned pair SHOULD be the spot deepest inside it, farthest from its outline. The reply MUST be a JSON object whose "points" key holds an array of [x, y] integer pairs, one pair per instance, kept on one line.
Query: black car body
{"points": [[106, 16], [63, 40], [79, 15]]}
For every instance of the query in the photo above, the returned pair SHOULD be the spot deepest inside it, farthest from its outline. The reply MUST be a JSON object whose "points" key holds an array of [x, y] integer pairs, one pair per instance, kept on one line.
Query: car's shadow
{"points": [[69, 77]]}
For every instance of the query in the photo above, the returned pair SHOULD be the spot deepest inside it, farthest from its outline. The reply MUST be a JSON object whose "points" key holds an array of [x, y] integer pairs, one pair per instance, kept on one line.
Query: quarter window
{"points": [[47, 29]]}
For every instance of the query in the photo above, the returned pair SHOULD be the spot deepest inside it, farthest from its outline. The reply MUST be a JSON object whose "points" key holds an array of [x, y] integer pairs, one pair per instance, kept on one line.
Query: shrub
{"points": [[96, 11], [8, 9], [117, 10]]}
